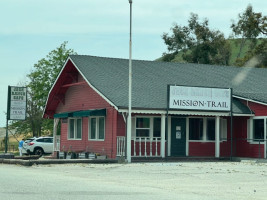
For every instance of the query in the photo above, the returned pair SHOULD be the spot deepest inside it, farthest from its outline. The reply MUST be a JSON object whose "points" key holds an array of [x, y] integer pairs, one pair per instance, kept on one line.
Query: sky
{"points": [[30, 29]]}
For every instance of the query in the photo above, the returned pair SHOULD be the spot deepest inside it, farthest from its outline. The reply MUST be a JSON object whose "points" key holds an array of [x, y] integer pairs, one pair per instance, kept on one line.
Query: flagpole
{"points": [[129, 119]]}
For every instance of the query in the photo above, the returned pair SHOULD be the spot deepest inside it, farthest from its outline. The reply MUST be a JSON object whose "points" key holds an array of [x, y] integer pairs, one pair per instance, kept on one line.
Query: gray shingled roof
{"points": [[150, 80]]}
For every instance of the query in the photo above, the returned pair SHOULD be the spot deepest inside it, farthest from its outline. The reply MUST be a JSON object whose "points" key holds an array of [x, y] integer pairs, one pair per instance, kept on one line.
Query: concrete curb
{"points": [[55, 161]]}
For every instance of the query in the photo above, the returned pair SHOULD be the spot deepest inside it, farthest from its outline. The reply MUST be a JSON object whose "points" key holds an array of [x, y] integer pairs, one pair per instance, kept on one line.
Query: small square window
{"points": [[142, 127]]}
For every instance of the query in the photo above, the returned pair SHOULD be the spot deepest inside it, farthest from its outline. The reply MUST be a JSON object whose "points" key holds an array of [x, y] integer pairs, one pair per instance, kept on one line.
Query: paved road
{"points": [[134, 181]]}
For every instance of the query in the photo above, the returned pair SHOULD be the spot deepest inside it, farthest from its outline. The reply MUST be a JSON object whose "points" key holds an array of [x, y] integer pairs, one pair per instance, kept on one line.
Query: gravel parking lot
{"points": [[185, 180]]}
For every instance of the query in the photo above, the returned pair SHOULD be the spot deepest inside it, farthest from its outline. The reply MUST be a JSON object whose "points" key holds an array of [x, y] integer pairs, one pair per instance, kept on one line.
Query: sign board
{"points": [[17, 102], [199, 98]]}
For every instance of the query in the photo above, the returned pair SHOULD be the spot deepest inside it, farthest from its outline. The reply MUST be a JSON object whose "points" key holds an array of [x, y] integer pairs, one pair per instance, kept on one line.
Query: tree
{"points": [[197, 43], [249, 27], [41, 79]]}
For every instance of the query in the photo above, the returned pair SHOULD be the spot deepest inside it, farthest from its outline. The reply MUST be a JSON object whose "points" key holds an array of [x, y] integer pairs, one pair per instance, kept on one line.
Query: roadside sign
{"points": [[17, 102]]}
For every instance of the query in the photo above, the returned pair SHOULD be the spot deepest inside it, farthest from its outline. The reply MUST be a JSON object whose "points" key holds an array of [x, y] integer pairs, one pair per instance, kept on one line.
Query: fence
{"points": [[141, 146], [120, 146], [11, 147]]}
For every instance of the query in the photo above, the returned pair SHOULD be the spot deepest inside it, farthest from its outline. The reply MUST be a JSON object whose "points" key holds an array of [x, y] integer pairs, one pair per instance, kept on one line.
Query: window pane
{"points": [[101, 128], [142, 132], [210, 129], [195, 129], [93, 128], [142, 122], [79, 129], [258, 128], [223, 129], [71, 128], [156, 127], [48, 140]]}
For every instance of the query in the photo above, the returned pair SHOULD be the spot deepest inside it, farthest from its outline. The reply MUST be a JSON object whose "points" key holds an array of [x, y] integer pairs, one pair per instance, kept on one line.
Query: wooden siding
{"points": [[202, 149], [121, 126], [258, 109], [83, 97]]}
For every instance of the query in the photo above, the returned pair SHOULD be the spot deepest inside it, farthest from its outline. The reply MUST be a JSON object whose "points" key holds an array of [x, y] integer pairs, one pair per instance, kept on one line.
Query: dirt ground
{"points": [[183, 180]]}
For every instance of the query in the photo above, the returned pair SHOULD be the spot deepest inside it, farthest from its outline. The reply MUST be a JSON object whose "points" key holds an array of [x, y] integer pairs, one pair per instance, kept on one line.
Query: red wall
{"points": [[83, 97], [202, 149], [241, 148], [258, 109], [121, 126]]}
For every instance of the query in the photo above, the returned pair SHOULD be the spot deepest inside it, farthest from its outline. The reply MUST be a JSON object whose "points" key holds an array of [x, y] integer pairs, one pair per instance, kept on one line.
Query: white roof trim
{"points": [[97, 91], [176, 112], [243, 115], [143, 111], [199, 113], [161, 112], [243, 98]]}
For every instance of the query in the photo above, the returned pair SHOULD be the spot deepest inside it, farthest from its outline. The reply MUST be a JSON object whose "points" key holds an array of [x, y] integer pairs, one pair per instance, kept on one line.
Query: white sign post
{"points": [[199, 98]]}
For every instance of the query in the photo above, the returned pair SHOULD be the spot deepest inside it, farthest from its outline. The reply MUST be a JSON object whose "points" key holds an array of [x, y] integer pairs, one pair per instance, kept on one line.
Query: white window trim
{"points": [[97, 128], [250, 129], [75, 128], [151, 125], [205, 120]]}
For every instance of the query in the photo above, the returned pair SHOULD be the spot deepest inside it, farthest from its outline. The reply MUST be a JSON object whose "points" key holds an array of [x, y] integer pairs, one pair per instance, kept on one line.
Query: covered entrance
{"points": [[178, 136]]}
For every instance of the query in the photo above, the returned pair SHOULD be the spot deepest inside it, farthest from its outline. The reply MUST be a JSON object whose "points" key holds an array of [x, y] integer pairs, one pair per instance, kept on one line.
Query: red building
{"points": [[89, 101]]}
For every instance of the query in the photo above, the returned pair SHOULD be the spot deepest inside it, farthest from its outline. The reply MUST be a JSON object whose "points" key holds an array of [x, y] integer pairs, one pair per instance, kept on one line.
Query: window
{"points": [[255, 129], [48, 140], [204, 129], [156, 127], [210, 129], [258, 129], [75, 129], [142, 127], [97, 128], [147, 127], [223, 129], [195, 129]]}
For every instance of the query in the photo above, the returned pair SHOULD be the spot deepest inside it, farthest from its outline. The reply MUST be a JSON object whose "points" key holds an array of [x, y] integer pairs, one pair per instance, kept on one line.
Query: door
{"points": [[178, 137]]}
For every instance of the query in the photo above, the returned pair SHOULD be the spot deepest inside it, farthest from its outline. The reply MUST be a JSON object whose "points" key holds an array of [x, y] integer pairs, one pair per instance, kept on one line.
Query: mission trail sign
{"points": [[199, 98]]}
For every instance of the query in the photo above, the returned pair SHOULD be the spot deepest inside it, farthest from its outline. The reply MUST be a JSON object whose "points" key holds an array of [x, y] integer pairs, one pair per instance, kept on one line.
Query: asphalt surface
{"points": [[190, 180]]}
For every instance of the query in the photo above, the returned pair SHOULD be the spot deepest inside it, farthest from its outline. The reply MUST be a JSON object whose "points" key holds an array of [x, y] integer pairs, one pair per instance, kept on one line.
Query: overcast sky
{"points": [[30, 29]]}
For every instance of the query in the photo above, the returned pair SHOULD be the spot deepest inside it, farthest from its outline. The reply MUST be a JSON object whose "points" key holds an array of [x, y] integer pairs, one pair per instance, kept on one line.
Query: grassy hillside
{"points": [[234, 44]]}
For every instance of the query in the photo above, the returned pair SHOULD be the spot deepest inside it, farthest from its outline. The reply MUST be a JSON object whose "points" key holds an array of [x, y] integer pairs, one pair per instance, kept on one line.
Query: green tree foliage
{"points": [[197, 43], [249, 27], [41, 79]]}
